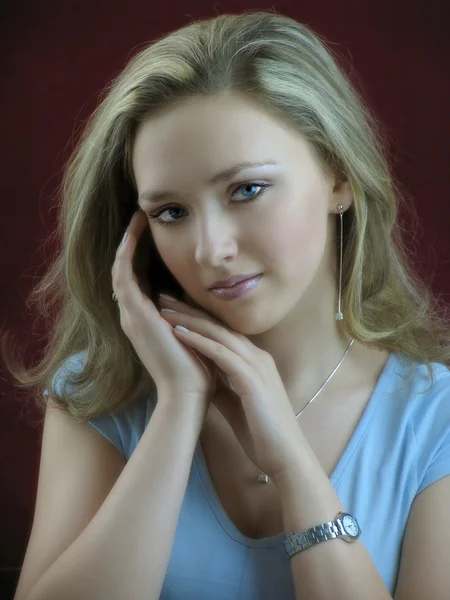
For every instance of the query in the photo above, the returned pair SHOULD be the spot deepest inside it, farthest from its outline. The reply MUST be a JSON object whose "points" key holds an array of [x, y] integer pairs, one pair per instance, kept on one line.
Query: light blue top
{"points": [[400, 446]]}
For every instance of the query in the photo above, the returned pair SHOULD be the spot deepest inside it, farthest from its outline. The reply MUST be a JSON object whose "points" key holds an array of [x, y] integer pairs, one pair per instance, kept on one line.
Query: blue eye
{"points": [[250, 184]]}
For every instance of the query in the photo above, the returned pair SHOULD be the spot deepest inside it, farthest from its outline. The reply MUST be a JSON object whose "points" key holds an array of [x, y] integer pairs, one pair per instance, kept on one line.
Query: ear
{"points": [[342, 194]]}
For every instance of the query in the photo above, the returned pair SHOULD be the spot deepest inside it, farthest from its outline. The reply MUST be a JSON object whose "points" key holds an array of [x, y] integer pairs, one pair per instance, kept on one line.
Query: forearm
{"points": [[124, 551], [333, 569]]}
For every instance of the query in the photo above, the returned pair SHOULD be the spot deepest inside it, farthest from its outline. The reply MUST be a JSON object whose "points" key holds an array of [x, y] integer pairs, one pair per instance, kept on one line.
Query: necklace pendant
{"points": [[263, 478]]}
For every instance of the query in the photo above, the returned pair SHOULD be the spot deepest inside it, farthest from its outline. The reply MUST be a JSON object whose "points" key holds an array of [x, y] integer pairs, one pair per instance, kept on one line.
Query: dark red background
{"points": [[55, 58]]}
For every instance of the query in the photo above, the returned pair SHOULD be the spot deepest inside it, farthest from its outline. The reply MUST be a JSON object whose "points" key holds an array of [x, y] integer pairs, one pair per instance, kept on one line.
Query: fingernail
{"points": [[181, 328], [166, 297], [168, 310], [124, 239]]}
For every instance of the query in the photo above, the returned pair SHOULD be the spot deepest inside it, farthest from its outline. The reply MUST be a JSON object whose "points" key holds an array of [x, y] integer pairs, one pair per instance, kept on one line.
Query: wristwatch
{"points": [[344, 526]]}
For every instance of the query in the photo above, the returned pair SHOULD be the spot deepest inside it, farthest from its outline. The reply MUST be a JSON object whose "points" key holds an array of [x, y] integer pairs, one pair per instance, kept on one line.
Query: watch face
{"points": [[350, 525]]}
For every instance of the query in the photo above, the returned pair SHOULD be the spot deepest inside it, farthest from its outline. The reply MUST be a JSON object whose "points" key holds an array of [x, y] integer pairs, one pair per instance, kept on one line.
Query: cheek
{"points": [[175, 265], [296, 247], [170, 256]]}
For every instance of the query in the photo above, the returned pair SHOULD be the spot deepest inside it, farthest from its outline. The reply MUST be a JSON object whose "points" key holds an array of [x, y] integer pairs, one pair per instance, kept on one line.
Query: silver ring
{"points": [[114, 297]]}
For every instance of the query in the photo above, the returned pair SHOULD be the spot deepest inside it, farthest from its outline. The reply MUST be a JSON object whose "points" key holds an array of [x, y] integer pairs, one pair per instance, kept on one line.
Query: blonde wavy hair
{"points": [[291, 72]]}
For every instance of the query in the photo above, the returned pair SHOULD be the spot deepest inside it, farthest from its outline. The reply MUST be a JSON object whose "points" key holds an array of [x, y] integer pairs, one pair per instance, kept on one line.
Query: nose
{"points": [[216, 240]]}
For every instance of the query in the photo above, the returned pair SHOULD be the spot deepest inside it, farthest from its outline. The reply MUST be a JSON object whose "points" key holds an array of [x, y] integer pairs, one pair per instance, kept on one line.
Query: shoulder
{"points": [[64, 379], [427, 400], [424, 406], [123, 428], [413, 392], [423, 551]]}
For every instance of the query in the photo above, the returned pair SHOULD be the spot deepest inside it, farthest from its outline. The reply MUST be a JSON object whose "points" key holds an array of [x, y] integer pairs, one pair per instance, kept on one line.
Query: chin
{"points": [[248, 325]]}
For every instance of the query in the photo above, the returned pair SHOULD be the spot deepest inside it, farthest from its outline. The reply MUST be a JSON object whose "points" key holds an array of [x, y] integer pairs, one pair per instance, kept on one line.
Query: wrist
{"points": [[189, 408]]}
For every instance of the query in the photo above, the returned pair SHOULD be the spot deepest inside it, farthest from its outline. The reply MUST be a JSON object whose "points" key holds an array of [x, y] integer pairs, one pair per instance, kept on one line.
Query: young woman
{"points": [[291, 440]]}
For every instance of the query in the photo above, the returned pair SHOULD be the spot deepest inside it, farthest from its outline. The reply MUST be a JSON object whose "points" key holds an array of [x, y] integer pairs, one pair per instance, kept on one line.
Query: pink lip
{"points": [[233, 281], [238, 290]]}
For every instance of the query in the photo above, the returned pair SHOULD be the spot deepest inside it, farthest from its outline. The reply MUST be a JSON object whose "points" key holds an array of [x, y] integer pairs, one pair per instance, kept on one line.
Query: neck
{"points": [[307, 345]]}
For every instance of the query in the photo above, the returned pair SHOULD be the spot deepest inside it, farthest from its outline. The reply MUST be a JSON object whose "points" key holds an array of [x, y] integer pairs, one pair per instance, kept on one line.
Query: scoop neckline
{"points": [[354, 442]]}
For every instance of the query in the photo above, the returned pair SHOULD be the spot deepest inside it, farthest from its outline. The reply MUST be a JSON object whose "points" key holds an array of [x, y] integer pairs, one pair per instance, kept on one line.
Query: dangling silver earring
{"points": [[339, 316]]}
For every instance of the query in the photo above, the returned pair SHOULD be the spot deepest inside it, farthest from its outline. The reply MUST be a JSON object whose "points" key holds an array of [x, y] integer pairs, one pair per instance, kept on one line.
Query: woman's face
{"points": [[211, 232]]}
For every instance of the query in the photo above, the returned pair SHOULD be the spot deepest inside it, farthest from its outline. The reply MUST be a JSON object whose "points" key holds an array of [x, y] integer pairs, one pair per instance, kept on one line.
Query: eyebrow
{"points": [[153, 197]]}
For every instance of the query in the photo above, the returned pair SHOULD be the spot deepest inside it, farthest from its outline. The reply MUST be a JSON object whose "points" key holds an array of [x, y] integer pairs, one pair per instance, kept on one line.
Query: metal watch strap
{"points": [[296, 542]]}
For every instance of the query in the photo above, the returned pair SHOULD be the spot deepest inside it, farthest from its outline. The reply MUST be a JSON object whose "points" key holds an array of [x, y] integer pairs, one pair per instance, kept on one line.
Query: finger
{"points": [[189, 307], [218, 335], [238, 370], [124, 280]]}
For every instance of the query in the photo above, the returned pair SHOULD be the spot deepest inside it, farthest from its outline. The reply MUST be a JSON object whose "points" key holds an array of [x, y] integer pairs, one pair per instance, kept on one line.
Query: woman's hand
{"points": [[176, 369], [256, 404]]}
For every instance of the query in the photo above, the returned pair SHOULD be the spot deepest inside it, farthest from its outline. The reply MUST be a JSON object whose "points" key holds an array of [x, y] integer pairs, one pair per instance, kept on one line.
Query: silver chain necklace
{"points": [[262, 477]]}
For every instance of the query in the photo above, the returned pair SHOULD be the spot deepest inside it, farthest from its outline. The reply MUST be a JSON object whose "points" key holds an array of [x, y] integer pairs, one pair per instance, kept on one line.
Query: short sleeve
{"points": [[109, 429], [433, 436], [123, 429], [62, 378]]}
